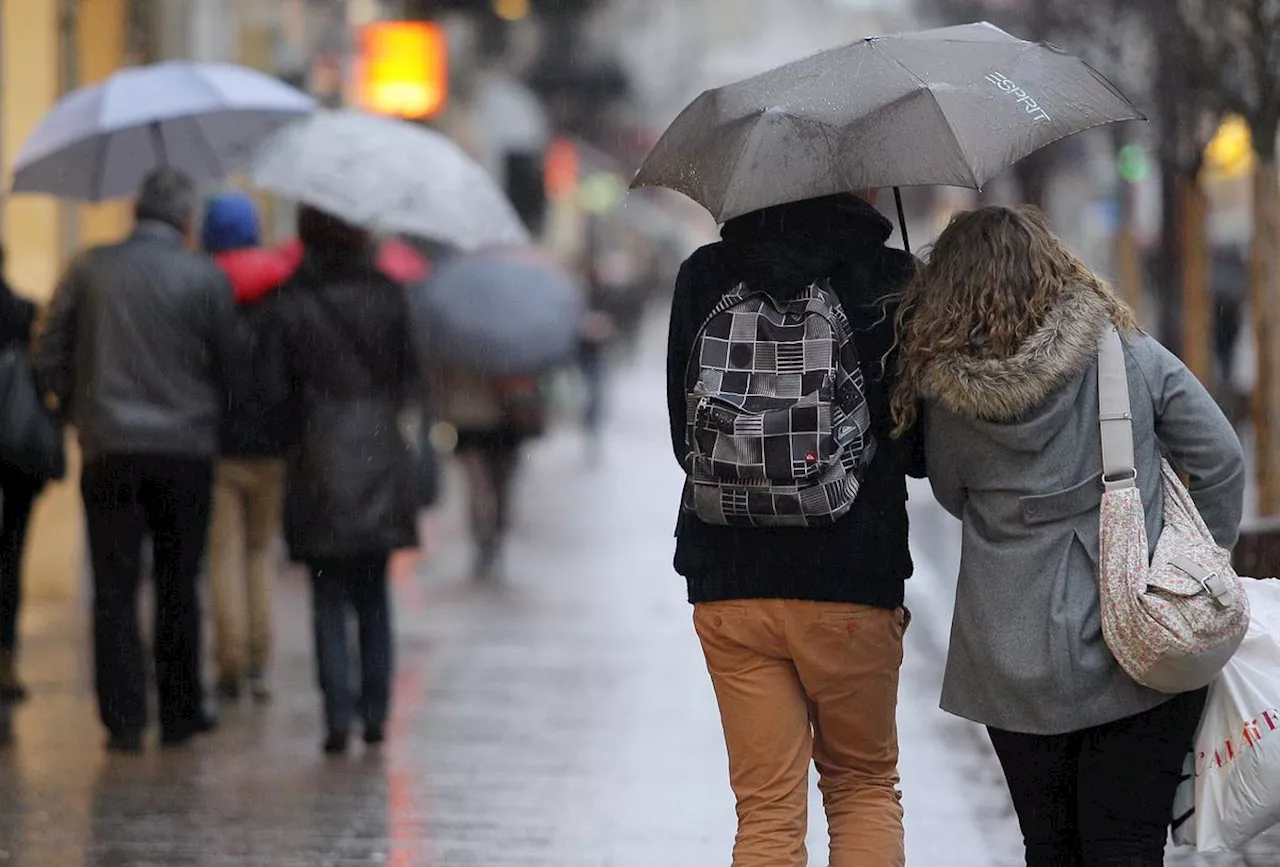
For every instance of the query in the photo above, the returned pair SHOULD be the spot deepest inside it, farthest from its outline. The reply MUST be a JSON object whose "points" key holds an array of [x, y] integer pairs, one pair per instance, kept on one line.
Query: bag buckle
{"points": [[1120, 481], [1216, 587]]}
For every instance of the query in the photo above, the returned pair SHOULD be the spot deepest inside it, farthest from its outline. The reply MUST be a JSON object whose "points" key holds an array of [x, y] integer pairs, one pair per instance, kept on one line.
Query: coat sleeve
{"points": [[1197, 438], [679, 340], [944, 466], [54, 351], [231, 362]]}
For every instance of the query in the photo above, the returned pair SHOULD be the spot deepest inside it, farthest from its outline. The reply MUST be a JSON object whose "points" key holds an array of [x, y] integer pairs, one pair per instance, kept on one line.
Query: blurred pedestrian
{"points": [[18, 493], [493, 419], [248, 496], [350, 491], [1000, 338], [134, 352], [802, 626], [1230, 283]]}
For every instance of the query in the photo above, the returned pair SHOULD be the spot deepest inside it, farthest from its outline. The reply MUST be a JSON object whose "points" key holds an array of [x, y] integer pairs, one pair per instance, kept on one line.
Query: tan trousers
{"points": [[809, 681], [247, 511]]}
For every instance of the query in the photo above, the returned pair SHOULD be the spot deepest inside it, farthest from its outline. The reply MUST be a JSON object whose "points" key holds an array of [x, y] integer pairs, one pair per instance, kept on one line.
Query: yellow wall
{"points": [[29, 29], [100, 43]]}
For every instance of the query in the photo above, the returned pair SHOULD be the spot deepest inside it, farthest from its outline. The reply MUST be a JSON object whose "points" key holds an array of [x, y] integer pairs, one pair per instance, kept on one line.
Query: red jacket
{"points": [[255, 272]]}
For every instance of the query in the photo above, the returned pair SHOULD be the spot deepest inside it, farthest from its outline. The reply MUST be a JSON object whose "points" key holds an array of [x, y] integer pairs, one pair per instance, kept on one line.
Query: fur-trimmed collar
{"points": [[1002, 390]]}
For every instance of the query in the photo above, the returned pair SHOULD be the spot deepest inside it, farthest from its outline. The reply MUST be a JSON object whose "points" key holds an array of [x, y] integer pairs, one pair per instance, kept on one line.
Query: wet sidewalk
{"points": [[563, 719]]}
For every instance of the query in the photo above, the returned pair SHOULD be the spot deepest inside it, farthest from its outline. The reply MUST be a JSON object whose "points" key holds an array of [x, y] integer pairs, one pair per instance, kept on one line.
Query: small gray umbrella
{"points": [[954, 106], [388, 175], [205, 119], [501, 311]]}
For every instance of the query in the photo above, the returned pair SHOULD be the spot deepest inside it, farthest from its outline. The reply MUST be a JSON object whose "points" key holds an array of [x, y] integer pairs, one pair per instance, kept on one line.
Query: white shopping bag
{"points": [[1231, 786]]}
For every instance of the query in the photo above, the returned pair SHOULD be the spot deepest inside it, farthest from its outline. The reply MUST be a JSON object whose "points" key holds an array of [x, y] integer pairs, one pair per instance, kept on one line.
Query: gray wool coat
{"points": [[1013, 451]]}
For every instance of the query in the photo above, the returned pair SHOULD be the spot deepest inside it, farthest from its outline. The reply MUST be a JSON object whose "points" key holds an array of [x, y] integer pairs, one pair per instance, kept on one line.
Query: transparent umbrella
{"points": [[389, 176]]}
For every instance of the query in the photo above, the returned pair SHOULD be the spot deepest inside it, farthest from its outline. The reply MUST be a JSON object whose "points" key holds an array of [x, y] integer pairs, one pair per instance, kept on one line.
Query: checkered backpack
{"points": [[778, 428]]}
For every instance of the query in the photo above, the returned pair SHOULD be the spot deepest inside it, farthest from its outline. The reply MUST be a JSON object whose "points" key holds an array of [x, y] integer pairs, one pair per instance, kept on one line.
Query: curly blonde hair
{"points": [[992, 277]]}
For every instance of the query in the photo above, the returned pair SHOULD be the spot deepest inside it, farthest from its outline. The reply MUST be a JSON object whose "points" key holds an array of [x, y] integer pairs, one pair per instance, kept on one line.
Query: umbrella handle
{"points": [[902, 218], [157, 144]]}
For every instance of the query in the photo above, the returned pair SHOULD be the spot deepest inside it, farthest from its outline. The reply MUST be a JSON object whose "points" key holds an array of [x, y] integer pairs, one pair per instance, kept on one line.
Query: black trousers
{"points": [[17, 495], [1101, 797], [126, 497]]}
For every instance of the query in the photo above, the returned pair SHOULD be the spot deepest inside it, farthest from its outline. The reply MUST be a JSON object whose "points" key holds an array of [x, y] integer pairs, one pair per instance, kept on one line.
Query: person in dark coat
{"points": [[802, 628], [350, 496], [134, 353], [18, 493]]}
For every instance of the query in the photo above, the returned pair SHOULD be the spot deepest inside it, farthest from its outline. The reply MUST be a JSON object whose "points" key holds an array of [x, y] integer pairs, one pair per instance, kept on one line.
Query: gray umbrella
{"points": [[503, 312], [202, 118], [954, 106]]}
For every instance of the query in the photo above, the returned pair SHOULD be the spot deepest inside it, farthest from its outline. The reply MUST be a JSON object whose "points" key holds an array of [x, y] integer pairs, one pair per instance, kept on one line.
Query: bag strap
{"points": [[1115, 419]]}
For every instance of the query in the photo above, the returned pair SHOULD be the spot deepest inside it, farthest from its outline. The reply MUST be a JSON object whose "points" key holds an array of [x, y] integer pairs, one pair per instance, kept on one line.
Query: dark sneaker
{"points": [[374, 735], [335, 743], [184, 733], [127, 743], [258, 688], [228, 690]]}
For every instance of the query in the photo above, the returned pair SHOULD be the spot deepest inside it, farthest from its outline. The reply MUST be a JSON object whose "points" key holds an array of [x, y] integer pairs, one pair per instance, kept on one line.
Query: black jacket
{"points": [[863, 558], [351, 482], [17, 315], [135, 347]]}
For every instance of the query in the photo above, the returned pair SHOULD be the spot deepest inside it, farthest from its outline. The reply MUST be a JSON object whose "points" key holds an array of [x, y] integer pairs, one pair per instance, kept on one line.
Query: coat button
{"points": [[719, 621]]}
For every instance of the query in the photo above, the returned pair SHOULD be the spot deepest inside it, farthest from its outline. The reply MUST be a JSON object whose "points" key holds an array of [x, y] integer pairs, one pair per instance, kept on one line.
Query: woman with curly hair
{"points": [[999, 336]]}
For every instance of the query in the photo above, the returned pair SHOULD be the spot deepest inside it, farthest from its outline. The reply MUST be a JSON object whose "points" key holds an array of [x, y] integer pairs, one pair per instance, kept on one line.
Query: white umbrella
{"points": [[204, 119], [389, 176]]}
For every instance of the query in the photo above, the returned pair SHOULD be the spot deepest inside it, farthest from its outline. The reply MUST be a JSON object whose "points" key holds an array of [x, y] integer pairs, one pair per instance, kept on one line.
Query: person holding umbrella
{"points": [[350, 494], [802, 627], [1000, 335], [134, 351]]}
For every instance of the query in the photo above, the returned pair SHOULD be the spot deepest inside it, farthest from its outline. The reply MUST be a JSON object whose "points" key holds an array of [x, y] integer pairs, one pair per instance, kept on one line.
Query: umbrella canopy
{"points": [[502, 312], [204, 119], [954, 106], [389, 176]]}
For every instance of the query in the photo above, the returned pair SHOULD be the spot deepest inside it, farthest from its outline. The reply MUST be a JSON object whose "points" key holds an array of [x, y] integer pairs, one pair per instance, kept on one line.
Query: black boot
{"points": [[11, 689]]}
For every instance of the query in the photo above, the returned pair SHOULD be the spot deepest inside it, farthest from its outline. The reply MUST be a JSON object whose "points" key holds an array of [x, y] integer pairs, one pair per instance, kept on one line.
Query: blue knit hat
{"points": [[230, 223]]}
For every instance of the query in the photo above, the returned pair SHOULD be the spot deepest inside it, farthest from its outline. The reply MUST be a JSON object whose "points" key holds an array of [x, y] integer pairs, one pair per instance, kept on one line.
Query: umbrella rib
{"points": [[924, 86]]}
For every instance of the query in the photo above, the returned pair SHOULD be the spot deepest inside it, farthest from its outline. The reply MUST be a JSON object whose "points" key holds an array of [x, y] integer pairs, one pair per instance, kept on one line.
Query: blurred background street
{"points": [[562, 715]]}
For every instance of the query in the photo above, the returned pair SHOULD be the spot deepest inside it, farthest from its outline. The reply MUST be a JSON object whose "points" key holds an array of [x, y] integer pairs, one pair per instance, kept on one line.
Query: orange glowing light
{"points": [[403, 69], [561, 169]]}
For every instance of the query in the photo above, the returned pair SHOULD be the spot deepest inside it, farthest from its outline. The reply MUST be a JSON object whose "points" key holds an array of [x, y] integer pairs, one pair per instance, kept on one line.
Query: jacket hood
{"points": [[1025, 392], [790, 246], [230, 223], [254, 272]]}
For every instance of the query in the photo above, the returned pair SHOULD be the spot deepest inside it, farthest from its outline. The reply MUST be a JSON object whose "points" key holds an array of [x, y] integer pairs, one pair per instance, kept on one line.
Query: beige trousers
{"points": [[248, 501], [800, 682]]}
